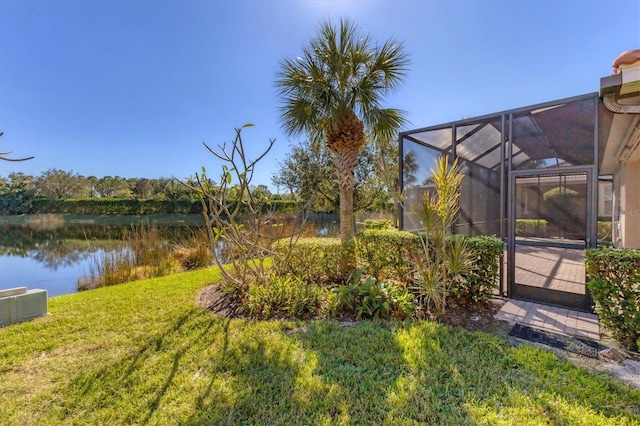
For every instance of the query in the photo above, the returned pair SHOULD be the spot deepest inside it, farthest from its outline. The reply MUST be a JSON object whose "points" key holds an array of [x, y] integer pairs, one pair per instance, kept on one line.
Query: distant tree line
{"points": [[59, 185], [59, 191], [306, 176]]}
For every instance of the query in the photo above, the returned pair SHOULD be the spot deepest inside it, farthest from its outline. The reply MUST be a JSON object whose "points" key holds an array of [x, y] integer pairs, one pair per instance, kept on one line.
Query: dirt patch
{"points": [[221, 304], [475, 316]]}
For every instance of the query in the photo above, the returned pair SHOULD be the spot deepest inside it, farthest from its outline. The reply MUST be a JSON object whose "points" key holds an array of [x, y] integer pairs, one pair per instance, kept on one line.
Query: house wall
{"points": [[628, 214], [623, 156]]}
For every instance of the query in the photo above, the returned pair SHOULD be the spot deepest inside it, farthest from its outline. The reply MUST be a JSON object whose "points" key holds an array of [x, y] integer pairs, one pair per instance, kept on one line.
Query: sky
{"points": [[134, 87]]}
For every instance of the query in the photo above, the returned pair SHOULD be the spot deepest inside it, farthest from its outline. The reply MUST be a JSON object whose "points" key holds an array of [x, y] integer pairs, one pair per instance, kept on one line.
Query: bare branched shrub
{"points": [[241, 225]]}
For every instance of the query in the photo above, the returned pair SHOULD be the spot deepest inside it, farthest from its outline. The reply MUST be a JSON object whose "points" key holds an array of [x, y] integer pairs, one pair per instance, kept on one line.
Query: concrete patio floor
{"points": [[553, 268], [551, 318]]}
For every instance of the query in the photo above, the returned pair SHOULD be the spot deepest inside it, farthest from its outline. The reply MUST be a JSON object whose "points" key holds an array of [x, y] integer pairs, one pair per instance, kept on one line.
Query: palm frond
{"points": [[341, 72]]}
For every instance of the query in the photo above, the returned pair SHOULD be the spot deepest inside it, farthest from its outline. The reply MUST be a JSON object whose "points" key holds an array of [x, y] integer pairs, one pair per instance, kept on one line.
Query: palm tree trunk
{"points": [[345, 144], [346, 184]]}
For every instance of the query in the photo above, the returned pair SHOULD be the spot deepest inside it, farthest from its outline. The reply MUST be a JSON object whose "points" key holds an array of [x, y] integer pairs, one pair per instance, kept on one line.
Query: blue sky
{"points": [[133, 87]]}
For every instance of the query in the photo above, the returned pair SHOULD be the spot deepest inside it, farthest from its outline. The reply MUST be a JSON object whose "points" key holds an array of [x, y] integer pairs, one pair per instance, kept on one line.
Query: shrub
{"points": [[532, 227], [386, 253], [15, 201], [371, 298], [613, 278], [238, 219], [377, 224], [282, 296], [390, 254], [559, 194], [445, 258], [604, 231], [317, 260], [484, 276]]}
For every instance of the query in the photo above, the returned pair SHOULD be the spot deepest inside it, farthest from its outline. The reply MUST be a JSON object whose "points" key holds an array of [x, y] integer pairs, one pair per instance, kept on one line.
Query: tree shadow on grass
{"points": [[366, 373], [158, 357], [262, 377], [461, 377], [319, 373], [207, 370]]}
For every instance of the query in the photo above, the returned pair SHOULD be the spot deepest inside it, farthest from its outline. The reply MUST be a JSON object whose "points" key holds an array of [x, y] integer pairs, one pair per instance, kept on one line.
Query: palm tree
{"points": [[333, 93]]}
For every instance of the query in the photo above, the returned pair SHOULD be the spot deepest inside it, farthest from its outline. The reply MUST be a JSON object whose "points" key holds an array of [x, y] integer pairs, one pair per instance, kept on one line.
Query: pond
{"points": [[54, 252]]}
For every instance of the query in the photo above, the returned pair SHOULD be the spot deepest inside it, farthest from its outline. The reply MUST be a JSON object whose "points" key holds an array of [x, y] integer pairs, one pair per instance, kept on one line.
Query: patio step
{"points": [[551, 318]]}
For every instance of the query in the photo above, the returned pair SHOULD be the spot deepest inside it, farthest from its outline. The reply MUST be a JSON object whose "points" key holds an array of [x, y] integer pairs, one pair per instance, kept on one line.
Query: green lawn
{"points": [[142, 353]]}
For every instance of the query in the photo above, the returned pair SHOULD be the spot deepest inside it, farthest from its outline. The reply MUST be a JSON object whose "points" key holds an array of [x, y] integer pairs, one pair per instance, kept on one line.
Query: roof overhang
{"points": [[620, 94]]}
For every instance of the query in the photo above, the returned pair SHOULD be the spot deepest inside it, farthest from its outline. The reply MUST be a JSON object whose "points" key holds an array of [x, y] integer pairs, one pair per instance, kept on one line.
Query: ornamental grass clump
{"points": [[145, 253]]}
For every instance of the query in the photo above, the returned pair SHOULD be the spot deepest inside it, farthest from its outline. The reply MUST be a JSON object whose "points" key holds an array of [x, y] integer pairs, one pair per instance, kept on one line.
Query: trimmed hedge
{"points": [[386, 255], [483, 279], [131, 206], [532, 227], [121, 206], [318, 260], [377, 224], [613, 278]]}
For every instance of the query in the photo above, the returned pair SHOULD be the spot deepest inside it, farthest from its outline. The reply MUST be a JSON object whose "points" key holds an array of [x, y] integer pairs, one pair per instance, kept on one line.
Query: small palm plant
{"points": [[445, 258]]}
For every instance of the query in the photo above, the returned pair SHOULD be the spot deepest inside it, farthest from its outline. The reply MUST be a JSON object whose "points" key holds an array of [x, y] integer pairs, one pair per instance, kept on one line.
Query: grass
{"points": [[142, 353]]}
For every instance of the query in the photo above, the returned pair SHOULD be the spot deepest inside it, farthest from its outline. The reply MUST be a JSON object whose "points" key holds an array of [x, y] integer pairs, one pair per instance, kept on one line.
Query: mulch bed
{"points": [[466, 313], [473, 316], [576, 345], [216, 301]]}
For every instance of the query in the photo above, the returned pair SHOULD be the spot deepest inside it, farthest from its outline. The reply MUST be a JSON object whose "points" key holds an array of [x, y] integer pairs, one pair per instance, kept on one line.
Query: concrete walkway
{"points": [[551, 318]]}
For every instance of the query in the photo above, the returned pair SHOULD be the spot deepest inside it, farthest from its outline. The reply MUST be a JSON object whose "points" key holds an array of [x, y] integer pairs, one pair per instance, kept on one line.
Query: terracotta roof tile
{"points": [[627, 57]]}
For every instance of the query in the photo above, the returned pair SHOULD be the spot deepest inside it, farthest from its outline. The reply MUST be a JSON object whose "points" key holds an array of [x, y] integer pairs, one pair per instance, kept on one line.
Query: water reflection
{"points": [[54, 256], [55, 248], [51, 254]]}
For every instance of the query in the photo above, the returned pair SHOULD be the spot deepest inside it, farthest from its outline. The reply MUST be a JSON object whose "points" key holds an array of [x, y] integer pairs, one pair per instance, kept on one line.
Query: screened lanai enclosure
{"points": [[531, 178]]}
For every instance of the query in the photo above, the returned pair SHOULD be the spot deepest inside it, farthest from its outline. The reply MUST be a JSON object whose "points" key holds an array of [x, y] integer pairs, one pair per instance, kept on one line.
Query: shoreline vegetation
{"points": [[128, 247], [164, 219], [146, 251], [143, 353]]}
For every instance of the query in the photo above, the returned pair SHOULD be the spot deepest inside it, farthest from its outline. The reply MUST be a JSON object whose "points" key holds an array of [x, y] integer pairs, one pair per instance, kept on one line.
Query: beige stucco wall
{"points": [[631, 212], [627, 182]]}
